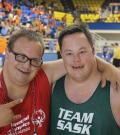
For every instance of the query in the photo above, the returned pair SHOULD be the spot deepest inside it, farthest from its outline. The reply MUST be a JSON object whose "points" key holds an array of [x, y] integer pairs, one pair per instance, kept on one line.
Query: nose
{"points": [[77, 58], [27, 64]]}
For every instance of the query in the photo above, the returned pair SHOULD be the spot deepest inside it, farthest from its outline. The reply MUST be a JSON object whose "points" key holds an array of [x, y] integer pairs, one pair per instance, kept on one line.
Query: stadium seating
{"points": [[88, 5], [60, 15]]}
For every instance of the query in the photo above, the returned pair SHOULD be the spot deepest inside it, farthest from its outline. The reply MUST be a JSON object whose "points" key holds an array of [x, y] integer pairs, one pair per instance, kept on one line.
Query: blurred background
{"points": [[49, 17]]}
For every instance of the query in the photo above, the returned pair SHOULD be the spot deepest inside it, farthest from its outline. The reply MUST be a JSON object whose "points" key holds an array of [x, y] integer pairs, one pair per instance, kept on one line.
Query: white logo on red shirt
{"points": [[38, 117], [23, 126]]}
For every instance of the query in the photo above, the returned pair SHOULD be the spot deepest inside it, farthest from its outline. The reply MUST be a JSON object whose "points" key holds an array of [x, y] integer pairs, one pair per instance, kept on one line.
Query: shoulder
{"points": [[41, 81], [41, 76]]}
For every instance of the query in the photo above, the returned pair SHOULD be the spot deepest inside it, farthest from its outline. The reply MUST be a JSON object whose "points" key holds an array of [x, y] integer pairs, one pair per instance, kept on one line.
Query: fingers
{"points": [[103, 81], [114, 82], [13, 103], [6, 113], [16, 117], [116, 86]]}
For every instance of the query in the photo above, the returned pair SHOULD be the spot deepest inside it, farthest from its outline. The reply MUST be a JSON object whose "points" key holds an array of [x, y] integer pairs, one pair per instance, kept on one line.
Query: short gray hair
{"points": [[25, 33]]}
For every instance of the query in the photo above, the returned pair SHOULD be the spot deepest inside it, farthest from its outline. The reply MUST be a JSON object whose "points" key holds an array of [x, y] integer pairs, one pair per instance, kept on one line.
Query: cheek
{"points": [[66, 61], [18, 65], [90, 63], [90, 57], [12, 64], [89, 60]]}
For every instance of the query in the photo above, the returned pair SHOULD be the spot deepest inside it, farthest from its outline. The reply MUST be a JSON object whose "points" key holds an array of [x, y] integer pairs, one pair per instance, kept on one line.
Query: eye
{"points": [[69, 53], [22, 58], [83, 51]]}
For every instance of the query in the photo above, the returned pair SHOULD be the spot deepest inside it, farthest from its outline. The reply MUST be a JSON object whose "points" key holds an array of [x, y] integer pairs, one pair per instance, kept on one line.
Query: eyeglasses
{"points": [[23, 59]]}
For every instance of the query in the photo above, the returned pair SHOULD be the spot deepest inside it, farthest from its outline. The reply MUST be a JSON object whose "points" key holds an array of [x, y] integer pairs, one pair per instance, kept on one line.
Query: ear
{"points": [[61, 53], [7, 52], [93, 50]]}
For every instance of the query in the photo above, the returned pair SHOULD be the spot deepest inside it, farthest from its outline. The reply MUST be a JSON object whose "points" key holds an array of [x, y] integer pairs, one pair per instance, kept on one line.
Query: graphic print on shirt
{"points": [[74, 122], [22, 126], [38, 118]]}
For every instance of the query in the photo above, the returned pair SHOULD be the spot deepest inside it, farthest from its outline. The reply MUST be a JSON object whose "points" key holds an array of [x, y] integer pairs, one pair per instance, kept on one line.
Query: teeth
{"points": [[78, 67]]}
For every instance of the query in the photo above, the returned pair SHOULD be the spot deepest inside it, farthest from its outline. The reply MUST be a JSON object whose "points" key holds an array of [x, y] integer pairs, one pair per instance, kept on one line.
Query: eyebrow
{"points": [[26, 55], [82, 48]]}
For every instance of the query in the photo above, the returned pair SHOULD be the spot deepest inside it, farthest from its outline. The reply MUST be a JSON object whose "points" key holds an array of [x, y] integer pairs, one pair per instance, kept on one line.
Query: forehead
{"points": [[76, 35], [75, 40], [28, 47]]}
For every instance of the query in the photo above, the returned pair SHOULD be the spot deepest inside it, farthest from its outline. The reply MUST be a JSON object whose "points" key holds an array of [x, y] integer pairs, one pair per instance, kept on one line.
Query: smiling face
{"points": [[78, 56], [22, 73]]}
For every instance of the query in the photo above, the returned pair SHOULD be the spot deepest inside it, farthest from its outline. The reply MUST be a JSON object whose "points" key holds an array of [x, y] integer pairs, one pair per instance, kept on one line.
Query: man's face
{"points": [[78, 56], [19, 72]]}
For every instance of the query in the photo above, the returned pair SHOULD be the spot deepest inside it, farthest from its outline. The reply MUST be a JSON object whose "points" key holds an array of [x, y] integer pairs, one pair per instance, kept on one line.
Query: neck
{"points": [[81, 91]]}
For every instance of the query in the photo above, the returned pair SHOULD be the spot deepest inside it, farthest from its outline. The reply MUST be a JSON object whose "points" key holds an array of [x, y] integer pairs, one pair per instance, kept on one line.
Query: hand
{"points": [[113, 75], [109, 72], [6, 113]]}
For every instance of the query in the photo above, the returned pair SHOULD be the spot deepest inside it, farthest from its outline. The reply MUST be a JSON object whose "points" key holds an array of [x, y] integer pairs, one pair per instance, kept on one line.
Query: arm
{"points": [[115, 104], [54, 70], [109, 72]]}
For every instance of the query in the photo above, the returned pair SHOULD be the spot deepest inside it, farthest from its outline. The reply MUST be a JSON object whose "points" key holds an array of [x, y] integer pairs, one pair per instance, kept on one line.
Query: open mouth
{"points": [[77, 67], [24, 72]]}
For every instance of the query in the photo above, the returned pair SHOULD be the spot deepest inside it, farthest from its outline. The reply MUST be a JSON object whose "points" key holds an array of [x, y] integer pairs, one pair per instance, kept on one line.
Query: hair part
{"points": [[76, 28], [25, 33]]}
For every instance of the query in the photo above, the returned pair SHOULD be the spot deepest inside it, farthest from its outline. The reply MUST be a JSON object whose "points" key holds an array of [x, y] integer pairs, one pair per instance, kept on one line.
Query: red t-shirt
{"points": [[36, 105]]}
